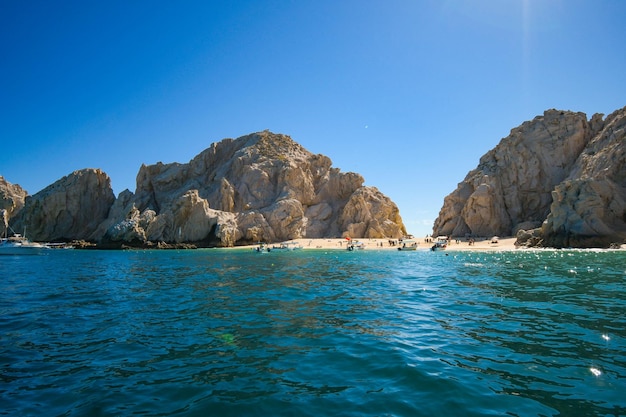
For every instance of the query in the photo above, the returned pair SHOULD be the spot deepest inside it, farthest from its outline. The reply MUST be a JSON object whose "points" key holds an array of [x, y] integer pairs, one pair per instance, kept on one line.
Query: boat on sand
{"points": [[440, 244], [288, 246], [355, 245], [408, 245]]}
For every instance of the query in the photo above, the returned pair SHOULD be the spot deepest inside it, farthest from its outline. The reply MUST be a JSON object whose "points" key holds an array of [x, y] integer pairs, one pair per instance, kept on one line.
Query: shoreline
{"points": [[507, 244], [378, 244], [479, 245]]}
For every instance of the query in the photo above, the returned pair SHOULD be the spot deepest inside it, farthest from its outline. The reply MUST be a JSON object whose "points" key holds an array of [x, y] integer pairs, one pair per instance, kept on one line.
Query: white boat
{"points": [[440, 244], [355, 245], [262, 248], [408, 245], [19, 245], [288, 246]]}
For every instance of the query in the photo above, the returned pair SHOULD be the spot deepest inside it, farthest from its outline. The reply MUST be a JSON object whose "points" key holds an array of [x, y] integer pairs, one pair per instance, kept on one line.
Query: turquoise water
{"points": [[311, 333]]}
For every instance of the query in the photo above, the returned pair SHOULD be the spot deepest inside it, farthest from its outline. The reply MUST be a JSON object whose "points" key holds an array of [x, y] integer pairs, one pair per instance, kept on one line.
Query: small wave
{"points": [[474, 264]]}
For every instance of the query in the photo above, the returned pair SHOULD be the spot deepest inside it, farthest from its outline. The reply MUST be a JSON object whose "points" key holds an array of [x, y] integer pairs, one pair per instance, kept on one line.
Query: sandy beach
{"points": [[384, 244]]}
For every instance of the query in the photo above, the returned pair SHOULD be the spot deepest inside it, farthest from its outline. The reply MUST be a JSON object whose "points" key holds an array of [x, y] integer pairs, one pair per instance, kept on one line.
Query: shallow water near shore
{"points": [[312, 332]]}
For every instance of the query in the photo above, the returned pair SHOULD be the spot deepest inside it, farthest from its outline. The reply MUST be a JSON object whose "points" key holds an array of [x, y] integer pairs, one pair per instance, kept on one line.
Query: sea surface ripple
{"points": [[313, 332]]}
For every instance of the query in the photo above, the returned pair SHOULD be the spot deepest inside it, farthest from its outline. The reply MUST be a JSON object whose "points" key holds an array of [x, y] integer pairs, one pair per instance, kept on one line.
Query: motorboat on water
{"points": [[19, 245]]}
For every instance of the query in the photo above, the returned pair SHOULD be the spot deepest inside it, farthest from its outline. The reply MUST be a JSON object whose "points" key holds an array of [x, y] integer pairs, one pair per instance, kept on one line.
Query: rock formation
{"points": [[260, 187], [12, 198], [589, 208], [71, 208], [559, 172]]}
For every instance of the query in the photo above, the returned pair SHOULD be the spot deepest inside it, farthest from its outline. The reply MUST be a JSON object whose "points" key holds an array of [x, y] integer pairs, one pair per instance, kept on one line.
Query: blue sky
{"points": [[410, 94]]}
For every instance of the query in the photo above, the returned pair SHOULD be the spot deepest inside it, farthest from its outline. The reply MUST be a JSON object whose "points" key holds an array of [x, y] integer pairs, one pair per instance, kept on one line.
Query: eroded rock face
{"points": [[559, 172], [260, 187], [71, 208], [370, 214], [12, 198], [589, 208]]}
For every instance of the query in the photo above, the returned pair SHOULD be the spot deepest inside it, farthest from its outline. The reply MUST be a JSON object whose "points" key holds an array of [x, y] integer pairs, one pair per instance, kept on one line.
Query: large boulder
{"points": [[70, 209], [370, 214]]}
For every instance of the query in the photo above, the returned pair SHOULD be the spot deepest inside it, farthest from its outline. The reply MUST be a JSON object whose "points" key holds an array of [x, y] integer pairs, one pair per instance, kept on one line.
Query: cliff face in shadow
{"points": [[259, 187], [560, 179], [71, 208]]}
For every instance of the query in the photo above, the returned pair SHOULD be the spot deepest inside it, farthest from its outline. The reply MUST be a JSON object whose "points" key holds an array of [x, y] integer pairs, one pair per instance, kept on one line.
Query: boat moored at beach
{"points": [[288, 246], [262, 248], [355, 245], [408, 245], [440, 244]]}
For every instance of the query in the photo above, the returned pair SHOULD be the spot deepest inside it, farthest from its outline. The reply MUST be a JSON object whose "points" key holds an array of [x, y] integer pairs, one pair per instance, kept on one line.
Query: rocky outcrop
{"points": [[71, 208], [12, 198], [559, 173], [589, 207], [260, 187]]}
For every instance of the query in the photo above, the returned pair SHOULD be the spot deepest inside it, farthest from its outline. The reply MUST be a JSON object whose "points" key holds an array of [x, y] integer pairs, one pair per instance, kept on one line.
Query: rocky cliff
{"points": [[260, 187], [71, 208], [12, 198], [589, 207], [560, 175]]}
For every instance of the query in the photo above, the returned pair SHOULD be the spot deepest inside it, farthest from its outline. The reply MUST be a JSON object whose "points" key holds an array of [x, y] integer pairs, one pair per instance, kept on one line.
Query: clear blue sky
{"points": [[407, 93]]}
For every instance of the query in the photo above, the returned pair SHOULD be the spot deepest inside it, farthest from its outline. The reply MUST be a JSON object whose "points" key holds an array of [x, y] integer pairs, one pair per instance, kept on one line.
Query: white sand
{"points": [[383, 244]]}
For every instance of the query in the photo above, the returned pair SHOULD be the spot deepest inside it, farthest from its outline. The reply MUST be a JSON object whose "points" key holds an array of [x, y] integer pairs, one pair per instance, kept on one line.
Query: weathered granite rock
{"points": [[122, 208], [370, 214], [558, 172], [589, 208], [12, 198], [70, 209], [260, 187], [529, 238], [513, 182]]}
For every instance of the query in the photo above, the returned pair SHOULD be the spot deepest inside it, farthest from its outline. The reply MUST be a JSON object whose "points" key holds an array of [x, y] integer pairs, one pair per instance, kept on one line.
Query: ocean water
{"points": [[313, 333]]}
